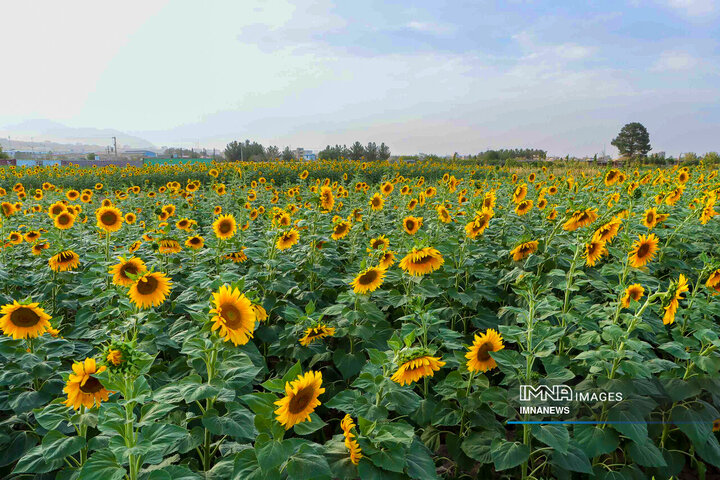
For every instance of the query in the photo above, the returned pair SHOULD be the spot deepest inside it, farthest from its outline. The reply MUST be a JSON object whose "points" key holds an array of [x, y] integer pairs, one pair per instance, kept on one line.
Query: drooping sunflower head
{"points": [[713, 281], [327, 201], [83, 388], [301, 399], [609, 231], [416, 367], [519, 193], [233, 315], [225, 226], [39, 247], [64, 261], [387, 260], [352, 445], [523, 207], [316, 333], [478, 355], [524, 250], [150, 289], [23, 320], [422, 261], [169, 245], [132, 266], [368, 280]]}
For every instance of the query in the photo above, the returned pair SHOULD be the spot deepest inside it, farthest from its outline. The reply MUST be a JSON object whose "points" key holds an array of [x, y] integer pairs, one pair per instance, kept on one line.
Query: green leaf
{"points": [[163, 438], [555, 436], [246, 466], [392, 459], [292, 374], [646, 454], [596, 441], [307, 427], [477, 446], [574, 460], [102, 464], [307, 464], [237, 422], [34, 462], [635, 431], [420, 464], [272, 454], [58, 446], [710, 451], [507, 455]]}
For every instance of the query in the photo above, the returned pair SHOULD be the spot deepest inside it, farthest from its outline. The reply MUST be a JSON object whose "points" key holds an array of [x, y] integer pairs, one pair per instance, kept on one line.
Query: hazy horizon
{"points": [[428, 77]]}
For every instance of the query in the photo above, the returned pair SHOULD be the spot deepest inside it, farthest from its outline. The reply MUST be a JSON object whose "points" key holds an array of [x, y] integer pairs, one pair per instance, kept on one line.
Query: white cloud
{"points": [[675, 61], [694, 8]]}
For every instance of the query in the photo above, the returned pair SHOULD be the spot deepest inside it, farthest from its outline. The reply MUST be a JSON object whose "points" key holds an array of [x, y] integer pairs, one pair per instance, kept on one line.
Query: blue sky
{"points": [[423, 76]]}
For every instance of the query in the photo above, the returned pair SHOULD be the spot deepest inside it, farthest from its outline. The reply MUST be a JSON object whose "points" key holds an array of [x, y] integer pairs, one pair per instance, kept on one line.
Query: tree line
{"points": [[255, 152], [370, 152]]}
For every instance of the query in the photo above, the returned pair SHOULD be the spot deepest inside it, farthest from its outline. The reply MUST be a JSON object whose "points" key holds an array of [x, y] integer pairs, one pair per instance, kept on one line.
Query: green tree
{"points": [[90, 156], [357, 151], [3, 155], [384, 152], [272, 153], [633, 140], [233, 151], [287, 155], [371, 152]]}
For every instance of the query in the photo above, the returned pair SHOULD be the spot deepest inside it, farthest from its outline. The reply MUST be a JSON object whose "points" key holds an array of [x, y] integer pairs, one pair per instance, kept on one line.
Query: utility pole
{"points": [[115, 145]]}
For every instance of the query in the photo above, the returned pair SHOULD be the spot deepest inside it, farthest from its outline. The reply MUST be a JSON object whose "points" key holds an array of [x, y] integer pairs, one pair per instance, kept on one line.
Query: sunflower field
{"points": [[349, 320]]}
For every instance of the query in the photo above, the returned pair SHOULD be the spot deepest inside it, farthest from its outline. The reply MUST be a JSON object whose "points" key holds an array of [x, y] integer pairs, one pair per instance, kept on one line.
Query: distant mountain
{"points": [[42, 130]]}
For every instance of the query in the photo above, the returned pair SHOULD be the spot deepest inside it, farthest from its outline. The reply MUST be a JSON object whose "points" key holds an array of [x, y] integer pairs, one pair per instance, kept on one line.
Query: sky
{"points": [[422, 76]]}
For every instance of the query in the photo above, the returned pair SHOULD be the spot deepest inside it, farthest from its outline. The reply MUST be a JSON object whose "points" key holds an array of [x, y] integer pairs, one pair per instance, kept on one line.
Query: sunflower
{"points": [[64, 220], [524, 250], [387, 260], [326, 198], [23, 320], [84, 389], [678, 288], [581, 218], [416, 368], [650, 218], [633, 292], [287, 239], [368, 280], [594, 251], [237, 257], [150, 289], [15, 238], [643, 250], [352, 445], [39, 247], [56, 209], [316, 333], [300, 400], [196, 242], [64, 261], [120, 271], [607, 232], [340, 230], [168, 245], [109, 219], [423, 261], [478, 355], [260, 313], [716, 425], [379, 243], [224, 226], [376, 202], [519, 193], [524, 207], [714, 281], [233, 315]]}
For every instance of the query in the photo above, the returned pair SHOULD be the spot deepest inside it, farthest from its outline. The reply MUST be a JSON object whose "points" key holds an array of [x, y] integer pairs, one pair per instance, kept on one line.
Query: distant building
{"points": [[303, 154], [140, 153]]}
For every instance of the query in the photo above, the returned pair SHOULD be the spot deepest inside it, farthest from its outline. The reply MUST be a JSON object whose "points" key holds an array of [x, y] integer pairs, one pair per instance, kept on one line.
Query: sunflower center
{"points": [[424, 260], [483, 352], [65, 257], [224, 227], [300, 400], [24, 317], [92, 385], [368, 277], [194, 240], [340, 229], [147, 285], [108, 218], [410, 225], [231, 315], [128, 268], [643, 250], [64, 219]]}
